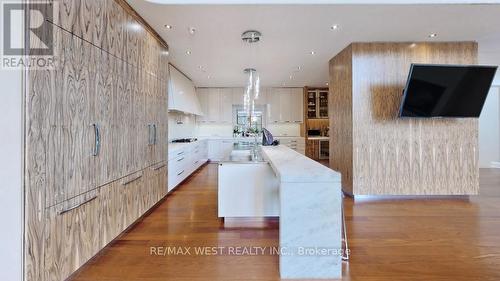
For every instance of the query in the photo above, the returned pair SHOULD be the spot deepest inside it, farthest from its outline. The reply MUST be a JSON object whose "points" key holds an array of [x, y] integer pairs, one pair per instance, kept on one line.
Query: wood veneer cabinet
{"points": [[381, 154], [92, 163]]}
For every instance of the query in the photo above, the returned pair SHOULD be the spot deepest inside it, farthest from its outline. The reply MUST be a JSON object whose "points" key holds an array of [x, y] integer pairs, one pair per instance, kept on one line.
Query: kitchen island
{"points": [[308, 196]]}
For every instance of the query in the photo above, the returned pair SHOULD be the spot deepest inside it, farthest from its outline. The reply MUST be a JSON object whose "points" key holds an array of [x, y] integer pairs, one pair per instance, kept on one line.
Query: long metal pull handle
{"points": [[154, 134], [159, 167], [179, 160], [76, 206], [132, 180], [97, 140], [180, 173]]}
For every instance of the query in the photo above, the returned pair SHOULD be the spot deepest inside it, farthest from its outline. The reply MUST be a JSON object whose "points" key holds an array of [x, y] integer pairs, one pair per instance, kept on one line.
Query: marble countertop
{"points": [[291, 166], [318, 138]]}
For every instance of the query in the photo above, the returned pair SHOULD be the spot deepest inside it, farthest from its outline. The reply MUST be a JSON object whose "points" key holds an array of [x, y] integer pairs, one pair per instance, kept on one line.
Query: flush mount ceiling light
{"points": [[299, 67], [188, 52], [432, 35], [251, 36], [312, 53], [334, 27], [191, 30], [168, 26]]}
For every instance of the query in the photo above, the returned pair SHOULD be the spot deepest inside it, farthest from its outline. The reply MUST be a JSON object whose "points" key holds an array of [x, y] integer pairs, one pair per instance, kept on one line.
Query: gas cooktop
{"points": [[185, 140]]}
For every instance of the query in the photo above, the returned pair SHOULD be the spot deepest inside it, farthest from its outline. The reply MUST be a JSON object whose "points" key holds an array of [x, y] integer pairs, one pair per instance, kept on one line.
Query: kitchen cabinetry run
{"points": [[283, 105], [93, 122], [296, 143], [184, 159]]}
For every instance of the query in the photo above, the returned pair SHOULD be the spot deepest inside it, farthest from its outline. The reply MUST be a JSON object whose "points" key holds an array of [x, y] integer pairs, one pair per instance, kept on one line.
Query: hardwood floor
{"points": [[411, 239]]}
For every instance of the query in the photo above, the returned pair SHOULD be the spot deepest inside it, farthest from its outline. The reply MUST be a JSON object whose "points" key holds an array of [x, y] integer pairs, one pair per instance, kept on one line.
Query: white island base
{"points": [[308, 196]]}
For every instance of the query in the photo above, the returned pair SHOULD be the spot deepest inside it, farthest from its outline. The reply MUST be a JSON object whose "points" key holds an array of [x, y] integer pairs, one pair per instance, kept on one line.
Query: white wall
{"points": [[11, 171], [181, 125], [489, 130]]}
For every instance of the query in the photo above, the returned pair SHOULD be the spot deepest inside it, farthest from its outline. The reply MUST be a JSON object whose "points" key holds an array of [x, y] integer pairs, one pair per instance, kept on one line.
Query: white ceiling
{"points": [[291, 32]]}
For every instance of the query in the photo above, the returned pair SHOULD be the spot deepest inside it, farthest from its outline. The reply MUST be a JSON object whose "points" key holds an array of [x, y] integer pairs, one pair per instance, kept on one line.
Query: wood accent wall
{"points": [[381, 154], [111, 70]]}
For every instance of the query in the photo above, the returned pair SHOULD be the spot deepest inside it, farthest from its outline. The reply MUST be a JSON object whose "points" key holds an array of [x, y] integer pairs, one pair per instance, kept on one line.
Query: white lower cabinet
{"points": [[219, 149], [296, 143], [184, 160]]}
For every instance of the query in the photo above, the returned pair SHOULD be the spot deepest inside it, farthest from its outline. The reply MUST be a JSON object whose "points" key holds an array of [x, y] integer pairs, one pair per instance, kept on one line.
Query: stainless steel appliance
{"points": [[324, 149]]}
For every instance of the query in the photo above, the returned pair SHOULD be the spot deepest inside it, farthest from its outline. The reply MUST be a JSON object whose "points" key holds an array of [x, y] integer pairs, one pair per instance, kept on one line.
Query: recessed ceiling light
{"points": [[200, 67], [334, 27], [191, 30], [168, 26], [312, 52], [432, 35], [299, 67], [328, 84], [291, 77], [188, 52]]}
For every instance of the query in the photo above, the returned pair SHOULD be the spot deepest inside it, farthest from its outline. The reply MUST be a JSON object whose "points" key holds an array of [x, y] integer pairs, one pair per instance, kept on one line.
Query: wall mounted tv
{"points": [[446, 90]]}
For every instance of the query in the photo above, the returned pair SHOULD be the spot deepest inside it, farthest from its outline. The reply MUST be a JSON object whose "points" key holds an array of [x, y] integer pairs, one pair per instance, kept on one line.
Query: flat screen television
{"points": [[446, 90]]}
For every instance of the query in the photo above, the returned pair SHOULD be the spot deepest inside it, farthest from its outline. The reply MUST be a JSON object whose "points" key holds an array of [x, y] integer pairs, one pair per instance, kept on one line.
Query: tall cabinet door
{"points": [[213, 106], [151, 118], [297, 105], [274, 106], [226, 105], [161, 126], [103, 116], [203, 98], [286, 104], [75, 90]]}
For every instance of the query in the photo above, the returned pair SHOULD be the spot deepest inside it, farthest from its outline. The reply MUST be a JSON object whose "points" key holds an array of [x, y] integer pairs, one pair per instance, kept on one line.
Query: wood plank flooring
{"points": [[411, 239]]}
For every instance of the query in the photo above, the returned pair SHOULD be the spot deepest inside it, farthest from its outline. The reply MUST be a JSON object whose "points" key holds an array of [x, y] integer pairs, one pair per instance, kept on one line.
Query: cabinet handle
{"points": [[154, 134], [197, 161], [77, 205], [159, 167], [97, 140], [132, 180], [180, 153], [179, 160], [180, 173]]}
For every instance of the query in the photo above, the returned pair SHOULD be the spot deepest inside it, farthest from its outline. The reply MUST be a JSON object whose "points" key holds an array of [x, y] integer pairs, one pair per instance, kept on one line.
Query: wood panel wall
{"points": [[381, 154], [111, 69]]}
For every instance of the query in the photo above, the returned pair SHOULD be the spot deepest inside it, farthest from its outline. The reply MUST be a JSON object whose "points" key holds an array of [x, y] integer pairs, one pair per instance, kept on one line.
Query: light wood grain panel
{"points": [[97, 80], [401, 156], [70, 236], [340, 115]]}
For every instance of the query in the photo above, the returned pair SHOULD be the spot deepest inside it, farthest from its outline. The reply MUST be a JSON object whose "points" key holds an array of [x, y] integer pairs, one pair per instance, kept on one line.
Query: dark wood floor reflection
{"points": [[437, 239]]}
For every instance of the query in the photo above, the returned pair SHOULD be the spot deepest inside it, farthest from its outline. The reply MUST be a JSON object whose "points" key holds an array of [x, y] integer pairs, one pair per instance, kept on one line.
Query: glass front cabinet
{"points": [[317, 104]]}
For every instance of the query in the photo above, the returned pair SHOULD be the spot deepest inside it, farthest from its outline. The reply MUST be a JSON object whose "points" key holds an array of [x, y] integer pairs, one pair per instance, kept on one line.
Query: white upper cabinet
{"points": [[182, 94], [226, 105], [297, 95], [213, 105], [274, 106], [283, 105]]}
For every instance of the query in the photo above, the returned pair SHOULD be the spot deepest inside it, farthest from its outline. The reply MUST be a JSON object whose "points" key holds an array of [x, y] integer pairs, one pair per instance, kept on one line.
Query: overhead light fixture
{"points": [[191, 30], [251, 36], [328, 84], [312, 52], [432, 35], [168, 26], [188, 52], [334, 27], [291, 77], [299, 67]]}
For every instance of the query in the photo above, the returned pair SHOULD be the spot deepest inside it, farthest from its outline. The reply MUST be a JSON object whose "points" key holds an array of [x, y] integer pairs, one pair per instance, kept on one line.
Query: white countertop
{"points": [[291, 166], [318, 138]]}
